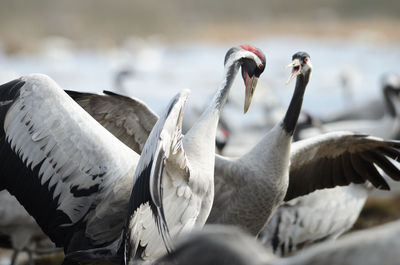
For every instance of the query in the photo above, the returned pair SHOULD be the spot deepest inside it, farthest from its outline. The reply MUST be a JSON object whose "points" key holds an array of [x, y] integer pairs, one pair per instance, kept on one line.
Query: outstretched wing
{"points": [[157, 205], [128, 119], [340, 158], [58, 161]]}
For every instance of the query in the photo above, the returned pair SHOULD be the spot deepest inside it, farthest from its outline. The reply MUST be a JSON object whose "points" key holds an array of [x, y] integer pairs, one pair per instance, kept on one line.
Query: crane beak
{"points": [[296, 67], [250, 84]]}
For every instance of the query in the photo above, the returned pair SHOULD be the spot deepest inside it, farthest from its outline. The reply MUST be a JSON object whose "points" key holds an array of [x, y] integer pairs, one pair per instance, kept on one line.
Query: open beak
{"points": [[250, 84], [296, 67]]}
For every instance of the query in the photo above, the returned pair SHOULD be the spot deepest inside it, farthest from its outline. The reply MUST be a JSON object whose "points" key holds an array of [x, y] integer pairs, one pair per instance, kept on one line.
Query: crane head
{"points": [[252, 68], [301, 64]]}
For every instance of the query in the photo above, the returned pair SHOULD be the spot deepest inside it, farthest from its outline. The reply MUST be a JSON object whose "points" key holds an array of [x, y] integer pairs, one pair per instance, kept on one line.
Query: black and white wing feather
{"points": [[128, 119], [318, 216], [340, 158], [61, 164], [159, 206]]}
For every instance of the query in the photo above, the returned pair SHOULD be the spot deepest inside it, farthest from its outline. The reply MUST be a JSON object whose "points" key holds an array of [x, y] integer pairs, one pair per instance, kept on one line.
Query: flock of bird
{"points": [[110, 181]]}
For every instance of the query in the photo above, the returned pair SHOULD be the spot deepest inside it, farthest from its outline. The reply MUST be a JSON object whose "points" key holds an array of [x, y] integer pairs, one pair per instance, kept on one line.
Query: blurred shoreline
{"points": [[371, 31], [98, 24]]}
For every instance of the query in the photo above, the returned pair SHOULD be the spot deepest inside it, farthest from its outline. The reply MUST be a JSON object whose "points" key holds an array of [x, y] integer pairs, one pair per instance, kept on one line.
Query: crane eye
{"points": [[260, 66], [306, 60]]}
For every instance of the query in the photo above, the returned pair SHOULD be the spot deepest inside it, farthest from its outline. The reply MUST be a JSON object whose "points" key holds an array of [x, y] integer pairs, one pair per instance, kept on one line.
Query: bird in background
{"points": [[218, 244], [379, 117], [20, 232], [120, 78], [313, 218]]}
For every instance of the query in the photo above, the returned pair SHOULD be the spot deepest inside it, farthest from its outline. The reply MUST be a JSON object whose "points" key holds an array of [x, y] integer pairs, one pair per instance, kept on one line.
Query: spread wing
{"points": [[128, 119], [161, 203], [58, 161], [340, 158]]}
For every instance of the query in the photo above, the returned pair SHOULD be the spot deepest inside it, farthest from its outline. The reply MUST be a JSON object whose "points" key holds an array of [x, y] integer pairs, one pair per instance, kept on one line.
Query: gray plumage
{"points": [[187, 168], [379, 245], [129, 119], [182, 168], [243, 187], [324, 161], [216, 244], [250, 188], [321, 215]]}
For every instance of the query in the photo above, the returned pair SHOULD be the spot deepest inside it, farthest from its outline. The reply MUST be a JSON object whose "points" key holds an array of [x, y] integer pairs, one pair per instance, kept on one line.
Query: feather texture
{"points": [[344, 158], [128, 119], [61, 164], [163, 202], [319, 216]]}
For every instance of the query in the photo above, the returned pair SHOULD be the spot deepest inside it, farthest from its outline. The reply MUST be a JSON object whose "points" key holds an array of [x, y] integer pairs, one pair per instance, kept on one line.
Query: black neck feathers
{"points": [[293, 112]]}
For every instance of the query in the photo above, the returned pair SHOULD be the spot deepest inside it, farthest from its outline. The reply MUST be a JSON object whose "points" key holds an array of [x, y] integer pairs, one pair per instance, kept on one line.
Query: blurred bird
{"points": [[119, 82], [223, 134], [378, 118], [217, 244], [227, 245], [223, 130], [347, 77], [379, 245], [19, 231], [319, 216]]}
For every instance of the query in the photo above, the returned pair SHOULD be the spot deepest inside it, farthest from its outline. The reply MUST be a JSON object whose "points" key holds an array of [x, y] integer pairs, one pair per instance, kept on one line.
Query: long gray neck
{"points": [[221, 96], [293, 112], [207, 123]]}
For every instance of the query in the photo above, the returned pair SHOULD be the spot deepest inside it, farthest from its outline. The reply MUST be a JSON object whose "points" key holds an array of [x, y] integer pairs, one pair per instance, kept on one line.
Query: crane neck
{"points": [[221, 96], [206, 125], [293, 112], [389, 96]]}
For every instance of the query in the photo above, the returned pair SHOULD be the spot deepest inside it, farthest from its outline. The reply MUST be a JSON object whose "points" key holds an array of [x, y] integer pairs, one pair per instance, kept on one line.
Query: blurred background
{"points": [[153, 49], [88, 41], [101, 23], [179, 44]]}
